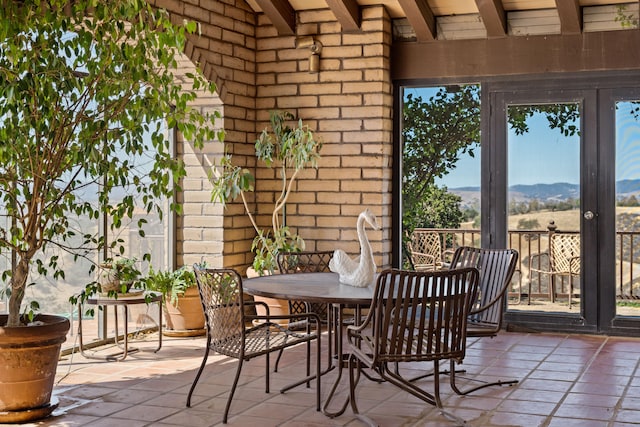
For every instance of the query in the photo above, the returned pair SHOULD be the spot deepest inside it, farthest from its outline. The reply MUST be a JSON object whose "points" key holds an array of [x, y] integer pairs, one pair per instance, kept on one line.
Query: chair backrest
{"points": [[425, 249], [496, 268], [304, 262], [427, 317], [564, 253], [222, 301]]}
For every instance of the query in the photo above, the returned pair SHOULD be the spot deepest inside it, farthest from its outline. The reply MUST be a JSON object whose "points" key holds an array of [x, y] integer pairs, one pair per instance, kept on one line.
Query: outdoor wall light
{"points": [[315, 47]]}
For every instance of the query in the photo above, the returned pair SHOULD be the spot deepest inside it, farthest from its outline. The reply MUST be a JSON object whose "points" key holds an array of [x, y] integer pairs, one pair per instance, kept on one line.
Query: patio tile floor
{"points": [[565, 380]]}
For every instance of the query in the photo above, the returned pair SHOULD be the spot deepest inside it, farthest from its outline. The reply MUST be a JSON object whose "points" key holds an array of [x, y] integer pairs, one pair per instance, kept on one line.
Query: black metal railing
{"points": [[532, 242]]}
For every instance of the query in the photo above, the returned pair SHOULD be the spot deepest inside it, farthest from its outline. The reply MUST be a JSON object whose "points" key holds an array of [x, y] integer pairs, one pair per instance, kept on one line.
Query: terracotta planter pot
{"points": [[28, 362], [186, 318]]}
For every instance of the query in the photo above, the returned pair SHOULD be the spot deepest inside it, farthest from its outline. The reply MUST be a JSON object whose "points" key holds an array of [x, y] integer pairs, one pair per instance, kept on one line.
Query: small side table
{"points": [[124, 302]]}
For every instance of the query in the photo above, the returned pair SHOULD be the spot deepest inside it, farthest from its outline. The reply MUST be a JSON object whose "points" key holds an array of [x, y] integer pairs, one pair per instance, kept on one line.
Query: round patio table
{"points": [[318, 288]]}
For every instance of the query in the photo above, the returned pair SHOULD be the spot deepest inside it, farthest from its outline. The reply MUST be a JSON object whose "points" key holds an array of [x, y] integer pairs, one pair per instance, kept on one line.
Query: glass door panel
{"points": [[441, 172], [543, 205], [627, 207]]}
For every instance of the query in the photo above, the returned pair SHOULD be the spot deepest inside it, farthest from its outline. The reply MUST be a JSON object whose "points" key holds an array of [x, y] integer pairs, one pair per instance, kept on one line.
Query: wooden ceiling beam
{"points": [[347, 12], [281, 15], [570, 15], [493, 16], [421, 18]]}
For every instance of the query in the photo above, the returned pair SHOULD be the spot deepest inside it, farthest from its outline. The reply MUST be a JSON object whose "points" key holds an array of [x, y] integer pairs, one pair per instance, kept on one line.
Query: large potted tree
{"points": [[289, 146], [81, 84]]}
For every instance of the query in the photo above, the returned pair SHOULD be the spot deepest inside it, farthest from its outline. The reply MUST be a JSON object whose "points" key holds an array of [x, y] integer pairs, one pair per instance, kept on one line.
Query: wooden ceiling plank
{"points": [[570, 15], [421, 18], [281, 15], [347, 12], [493, 16]]}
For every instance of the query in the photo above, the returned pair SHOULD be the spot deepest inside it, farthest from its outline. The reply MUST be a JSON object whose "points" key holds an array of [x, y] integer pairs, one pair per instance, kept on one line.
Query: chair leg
{"points": [[233, 390], [309, 362], [570, 288], [318, 371], [354, 365], [266, 379], [275, 369], [454, 387], [195, 381]]}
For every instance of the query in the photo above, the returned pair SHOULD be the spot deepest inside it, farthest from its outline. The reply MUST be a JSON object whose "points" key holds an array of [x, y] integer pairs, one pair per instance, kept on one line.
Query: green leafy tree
{"points": [[289, 150], [438, 209], [435, 133], [528, 224], [80, 83]]}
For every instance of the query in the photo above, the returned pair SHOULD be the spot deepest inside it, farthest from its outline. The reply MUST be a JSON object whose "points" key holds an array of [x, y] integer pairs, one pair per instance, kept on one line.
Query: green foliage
{"points": [[171, 283], [266, 246], [625, 18], [559, 116], [126, 270], [528, 224], [122, 271], [435, 133], [438, 209], [535, 205], [80, 85], [630, 201], [287, 149]]}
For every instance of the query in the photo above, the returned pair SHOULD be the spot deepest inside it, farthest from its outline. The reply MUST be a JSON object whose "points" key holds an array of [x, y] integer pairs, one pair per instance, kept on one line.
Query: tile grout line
{"points": [[573, 383]]}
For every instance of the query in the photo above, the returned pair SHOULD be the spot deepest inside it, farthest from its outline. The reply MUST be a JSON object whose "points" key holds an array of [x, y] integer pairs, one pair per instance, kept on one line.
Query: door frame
{"points": [[596, 91], [496, 218], [612, 324], [596, 94]]}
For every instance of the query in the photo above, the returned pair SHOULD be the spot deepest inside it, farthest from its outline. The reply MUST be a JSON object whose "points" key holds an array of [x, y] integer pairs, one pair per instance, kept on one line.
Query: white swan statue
{"points": [[358, 272]]}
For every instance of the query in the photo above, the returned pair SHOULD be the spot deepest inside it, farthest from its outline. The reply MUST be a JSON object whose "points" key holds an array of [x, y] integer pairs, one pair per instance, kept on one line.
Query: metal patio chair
{"points": [[305, 262], [425, 250], [496, 267], [563, 259], [233, 333], [415, 316]]}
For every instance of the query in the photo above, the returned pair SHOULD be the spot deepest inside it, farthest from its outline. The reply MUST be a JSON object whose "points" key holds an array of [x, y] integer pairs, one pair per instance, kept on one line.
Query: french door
{"points": [[564, 161]]}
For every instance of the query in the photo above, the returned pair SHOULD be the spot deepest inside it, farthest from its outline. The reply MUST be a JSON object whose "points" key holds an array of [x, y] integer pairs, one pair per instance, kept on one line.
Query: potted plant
{"points": [[81, 84], [180, 301], [290, 149], [119, 275]]}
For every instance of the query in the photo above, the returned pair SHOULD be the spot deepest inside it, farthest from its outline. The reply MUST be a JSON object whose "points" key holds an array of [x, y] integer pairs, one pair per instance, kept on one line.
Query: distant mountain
{"points": [[557, 191], [628, 186]]}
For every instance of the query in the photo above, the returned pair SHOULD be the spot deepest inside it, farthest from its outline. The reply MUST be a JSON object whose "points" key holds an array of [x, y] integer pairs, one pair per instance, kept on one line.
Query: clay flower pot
{"points": [[28, 362]]}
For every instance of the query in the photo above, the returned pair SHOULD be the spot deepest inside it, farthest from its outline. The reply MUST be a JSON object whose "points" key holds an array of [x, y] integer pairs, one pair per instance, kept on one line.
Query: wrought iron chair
{"points": [[563, 260], [425, 250], [232, 332], [305, 262], [496, 268], [310, 262], [414, 316]]}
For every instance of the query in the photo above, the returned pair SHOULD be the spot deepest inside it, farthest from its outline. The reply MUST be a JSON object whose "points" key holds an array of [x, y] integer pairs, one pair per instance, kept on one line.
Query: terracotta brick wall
{"points": [[224, 50], [348, 103]]}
